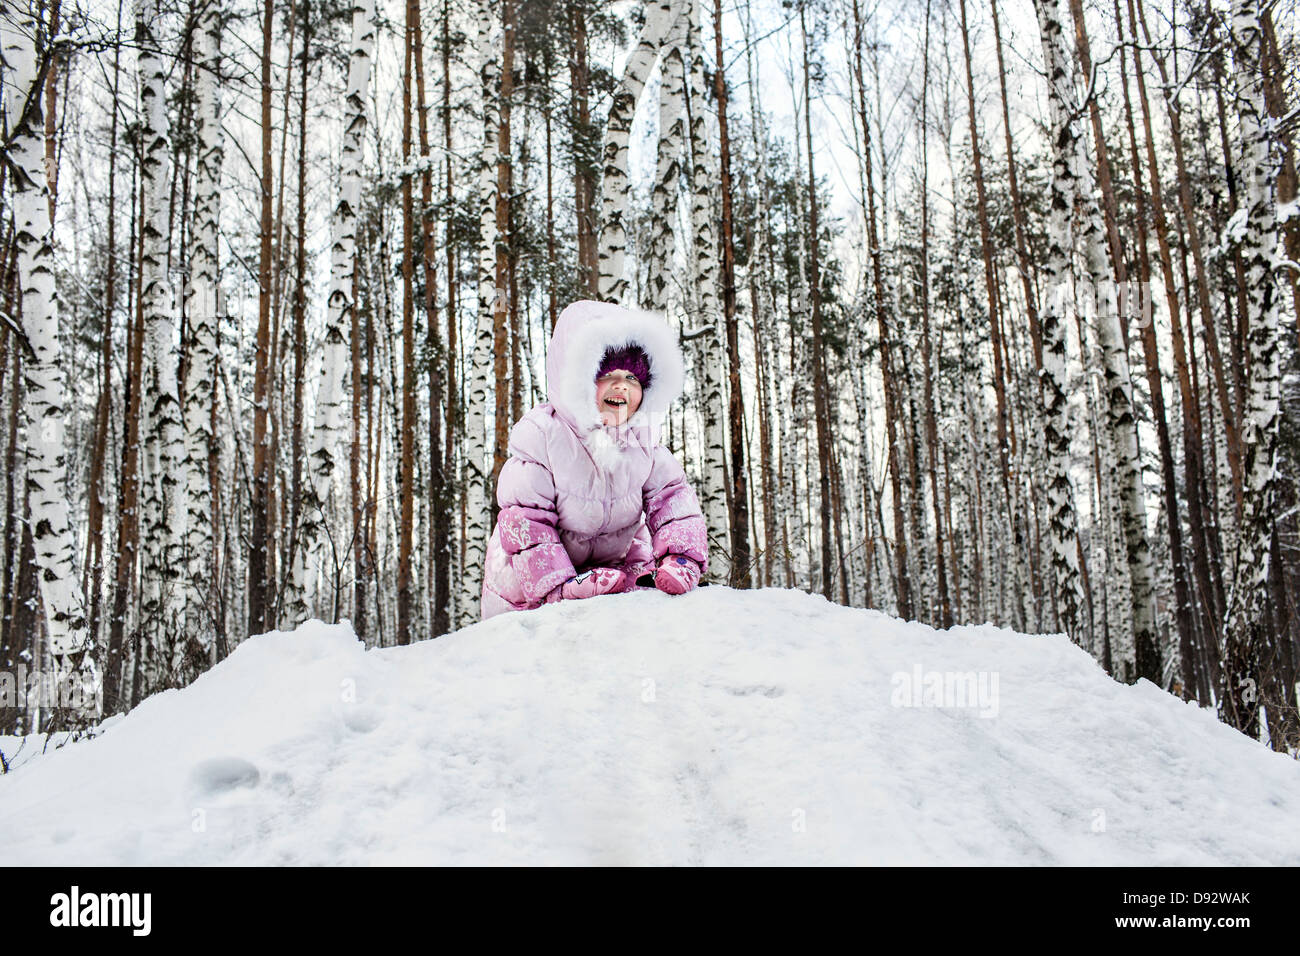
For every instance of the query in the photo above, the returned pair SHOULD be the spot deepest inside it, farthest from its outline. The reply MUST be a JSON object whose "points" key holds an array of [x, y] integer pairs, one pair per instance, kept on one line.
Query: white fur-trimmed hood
{"points": [[583, 332]]}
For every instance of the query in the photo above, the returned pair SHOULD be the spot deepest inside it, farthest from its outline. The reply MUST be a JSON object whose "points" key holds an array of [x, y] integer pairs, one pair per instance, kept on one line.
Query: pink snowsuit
{"points": [[576, 494]]}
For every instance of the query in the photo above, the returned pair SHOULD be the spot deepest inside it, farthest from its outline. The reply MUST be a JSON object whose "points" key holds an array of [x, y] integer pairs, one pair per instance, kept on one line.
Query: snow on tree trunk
{"points": [[164, 439], [1062, 518], [1107, 541], [323, 457], [615, 185], [202, 309], [1246, 634], [706, 280], [1138, 647], [46, 392], [477, 511]]}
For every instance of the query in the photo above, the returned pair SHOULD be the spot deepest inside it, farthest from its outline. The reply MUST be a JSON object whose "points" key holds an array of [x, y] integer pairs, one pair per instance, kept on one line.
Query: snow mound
{"points": [[722, 727]]}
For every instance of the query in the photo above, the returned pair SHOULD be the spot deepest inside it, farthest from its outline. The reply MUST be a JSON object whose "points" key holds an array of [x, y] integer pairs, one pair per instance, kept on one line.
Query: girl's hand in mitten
{"points": [[589, 584], [677, 574]]}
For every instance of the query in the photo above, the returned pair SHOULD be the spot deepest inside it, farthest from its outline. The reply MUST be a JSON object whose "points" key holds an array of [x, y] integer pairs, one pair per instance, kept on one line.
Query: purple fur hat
{"points": [[632, 358]]}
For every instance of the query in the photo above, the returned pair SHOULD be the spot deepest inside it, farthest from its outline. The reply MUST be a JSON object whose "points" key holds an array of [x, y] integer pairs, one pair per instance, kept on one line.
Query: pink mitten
{"points": [[677, 574], [589, 584]]}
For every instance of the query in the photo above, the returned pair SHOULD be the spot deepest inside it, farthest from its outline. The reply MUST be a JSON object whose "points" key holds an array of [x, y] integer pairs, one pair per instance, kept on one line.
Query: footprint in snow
{"points": [[223, 774], [362, 718]]}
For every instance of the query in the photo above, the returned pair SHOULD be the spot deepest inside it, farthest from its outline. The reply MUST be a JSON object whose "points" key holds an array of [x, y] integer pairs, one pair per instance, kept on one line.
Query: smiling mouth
{"points": [[616, 402]]}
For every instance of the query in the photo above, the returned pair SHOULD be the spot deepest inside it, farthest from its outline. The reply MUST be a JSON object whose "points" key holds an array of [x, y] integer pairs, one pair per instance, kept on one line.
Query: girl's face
{"points": [[618, 396]]}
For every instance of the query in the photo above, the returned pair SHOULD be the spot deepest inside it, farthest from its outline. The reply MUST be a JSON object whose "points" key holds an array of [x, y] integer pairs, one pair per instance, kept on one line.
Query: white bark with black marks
{"points": [[46, 389], [332, 403], [202, 308], [615, 185], [668, 171], [477, 473], [1062, 515], [706, 309], [1246, 634], [162, 519]]}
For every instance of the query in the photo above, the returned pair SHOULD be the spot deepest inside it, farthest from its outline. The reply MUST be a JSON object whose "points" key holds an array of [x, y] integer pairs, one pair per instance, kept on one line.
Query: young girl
{"points": [[591, 503]]}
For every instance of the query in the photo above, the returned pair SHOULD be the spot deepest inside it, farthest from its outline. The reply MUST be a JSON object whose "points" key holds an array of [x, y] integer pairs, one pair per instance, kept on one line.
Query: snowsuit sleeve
{"points": [[672, 512], [527, 522]]}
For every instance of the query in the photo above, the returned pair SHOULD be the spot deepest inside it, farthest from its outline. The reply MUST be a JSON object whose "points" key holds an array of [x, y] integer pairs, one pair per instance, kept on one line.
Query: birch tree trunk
{"points": [[46, 391], [259, 558], [901, 581], [438, 500], [1247, 638], [293, 605], [821, 404], [706, 281], [739, 512], [455, 423], [1122, 424], [96, 494], [1063, 520], [615, 185], [668, 170], [202, 310], [1191, 233], [1208, 618], [760, 257], [944, 608], [1126, 473], [477, 509], [164, 440], [794, 484], [1194, 683], [990, 282], [408, 415], [323, 458], [502, 337]]}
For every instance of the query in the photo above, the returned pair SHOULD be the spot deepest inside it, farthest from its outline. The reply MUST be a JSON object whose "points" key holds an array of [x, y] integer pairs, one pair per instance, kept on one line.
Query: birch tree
{"points": [[760, 258], [1247, 635], [164, 442], [668, 169], [1063, 520], [46, 390], [259, 589], [331, 399], [878, 298], [408, 414], [1073, 178], [477, 505], [1199, 520], [739, 512], [704, 305], [203, 298], [615, 185]]}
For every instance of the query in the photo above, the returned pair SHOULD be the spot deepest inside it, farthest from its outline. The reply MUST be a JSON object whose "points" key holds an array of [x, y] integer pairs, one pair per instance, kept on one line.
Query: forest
{"points": [[990, 311]]}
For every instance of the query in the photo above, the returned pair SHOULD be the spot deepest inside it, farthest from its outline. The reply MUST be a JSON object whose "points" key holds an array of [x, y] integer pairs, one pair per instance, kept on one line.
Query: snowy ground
{"points": [[722, 727]]}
